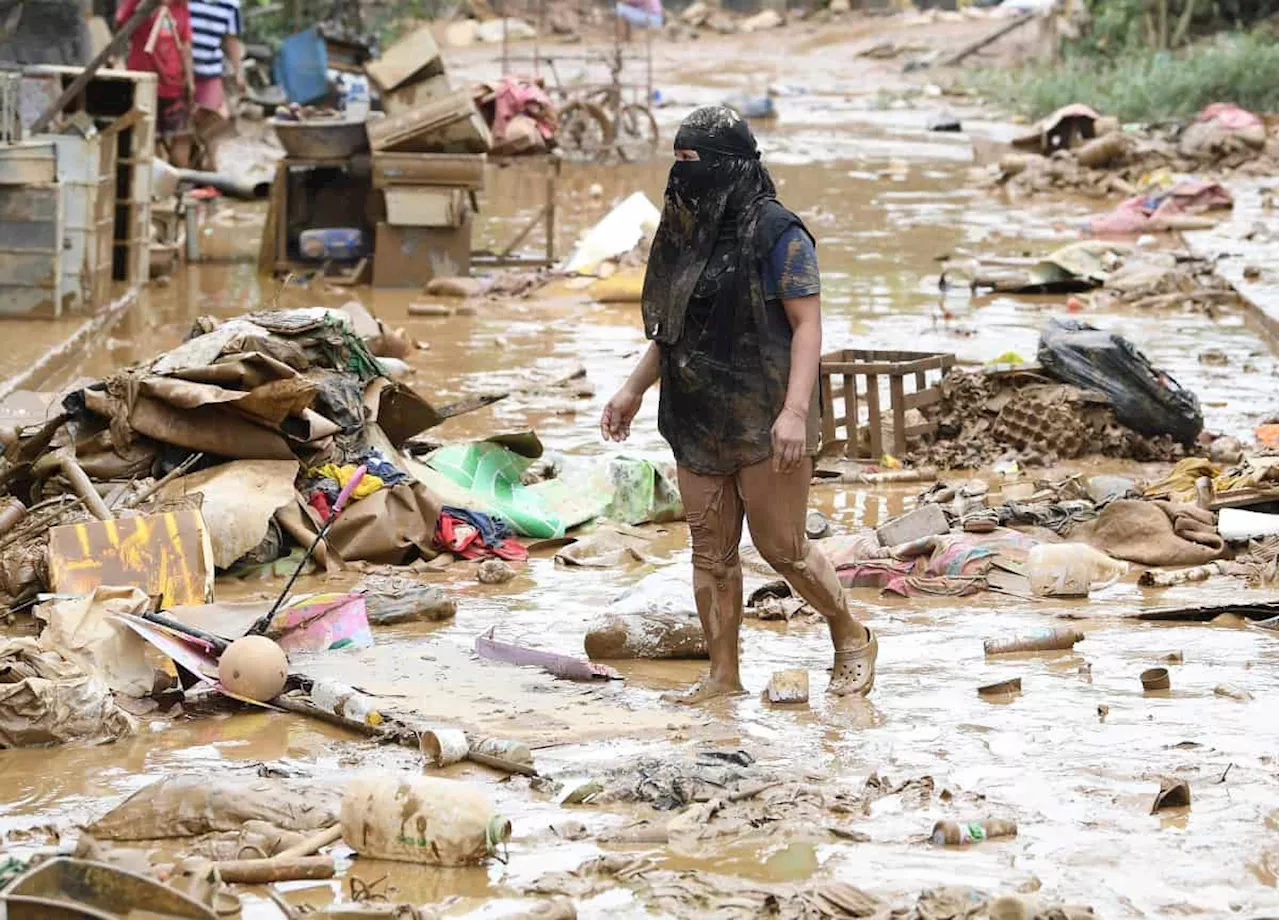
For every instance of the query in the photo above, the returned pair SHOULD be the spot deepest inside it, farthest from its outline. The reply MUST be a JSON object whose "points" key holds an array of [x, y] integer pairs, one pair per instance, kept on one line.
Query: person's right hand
{"points": [[615, 421]]}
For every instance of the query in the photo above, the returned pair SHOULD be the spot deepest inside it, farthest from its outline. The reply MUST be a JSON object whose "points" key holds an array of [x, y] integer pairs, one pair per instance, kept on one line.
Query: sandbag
{"points": [[1144, 398], [189, 805]]}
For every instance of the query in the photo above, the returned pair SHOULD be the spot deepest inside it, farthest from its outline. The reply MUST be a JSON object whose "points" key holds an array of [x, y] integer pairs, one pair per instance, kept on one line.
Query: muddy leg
{"points": [[714, 512], [776, 504]]}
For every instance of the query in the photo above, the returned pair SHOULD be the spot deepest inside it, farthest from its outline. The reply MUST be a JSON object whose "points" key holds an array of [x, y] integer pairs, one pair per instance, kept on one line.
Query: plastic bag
{"points": [[1144, 398], [1070, 569]]}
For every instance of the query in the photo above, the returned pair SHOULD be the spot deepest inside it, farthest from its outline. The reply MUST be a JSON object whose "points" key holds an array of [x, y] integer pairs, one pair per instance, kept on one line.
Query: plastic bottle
{"points": [[1070, 569], [341, 700], [421, 819], [355, 98], [953, 834], [1042, 640]]}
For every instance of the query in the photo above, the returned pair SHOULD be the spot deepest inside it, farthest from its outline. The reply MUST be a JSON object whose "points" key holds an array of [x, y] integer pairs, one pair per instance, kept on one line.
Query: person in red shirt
{"points": [[162, 45]]}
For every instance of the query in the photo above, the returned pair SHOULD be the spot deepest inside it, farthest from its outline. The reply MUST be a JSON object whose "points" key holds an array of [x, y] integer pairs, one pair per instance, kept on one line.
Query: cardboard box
{"points": [[422, 129], [411, 59], [455, 170], [409, 257], [411, 95], [425, 207]]}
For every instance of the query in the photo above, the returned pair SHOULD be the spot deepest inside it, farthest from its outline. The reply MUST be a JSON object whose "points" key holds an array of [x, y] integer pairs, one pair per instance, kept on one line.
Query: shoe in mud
{"points": [[701, 692], [854, 670]]}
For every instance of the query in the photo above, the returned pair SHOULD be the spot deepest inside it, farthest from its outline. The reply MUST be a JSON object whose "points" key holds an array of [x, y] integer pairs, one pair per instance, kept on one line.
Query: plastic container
{"points": [[420, 819], [1155, 679], [338, 243], [348, 702], [953, 834], [355, 97], [1070, 569], [443, 746], [1042, 640]]}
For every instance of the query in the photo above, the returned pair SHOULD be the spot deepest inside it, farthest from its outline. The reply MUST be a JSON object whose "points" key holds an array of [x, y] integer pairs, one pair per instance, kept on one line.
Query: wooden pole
{"points": [[114, 47], [987, 39]]}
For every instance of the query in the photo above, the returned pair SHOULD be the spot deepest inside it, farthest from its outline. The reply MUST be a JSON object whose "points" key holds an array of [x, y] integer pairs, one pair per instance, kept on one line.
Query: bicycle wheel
{"points": [[635, 133], [584, 132]]}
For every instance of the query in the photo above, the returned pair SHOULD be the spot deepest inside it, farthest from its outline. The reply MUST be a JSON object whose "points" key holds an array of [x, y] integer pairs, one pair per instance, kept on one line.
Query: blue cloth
{"points": [[493, 530], [792, 271]]}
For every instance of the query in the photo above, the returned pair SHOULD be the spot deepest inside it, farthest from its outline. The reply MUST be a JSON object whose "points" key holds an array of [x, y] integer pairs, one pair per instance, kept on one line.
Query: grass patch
{"points": [[1148, 85]]}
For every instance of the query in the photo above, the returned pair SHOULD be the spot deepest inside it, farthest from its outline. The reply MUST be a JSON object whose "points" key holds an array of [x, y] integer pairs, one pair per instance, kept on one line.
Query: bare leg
{"points": [[776, 504], [714, 512]]}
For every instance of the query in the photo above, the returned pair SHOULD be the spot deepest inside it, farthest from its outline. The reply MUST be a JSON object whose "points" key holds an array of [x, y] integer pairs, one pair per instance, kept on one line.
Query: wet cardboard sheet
{"points": [[169, 555]]}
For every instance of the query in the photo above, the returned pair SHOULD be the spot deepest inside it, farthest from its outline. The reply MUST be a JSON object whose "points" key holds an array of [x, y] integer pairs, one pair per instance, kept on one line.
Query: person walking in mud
{"points": [[731, 306]]}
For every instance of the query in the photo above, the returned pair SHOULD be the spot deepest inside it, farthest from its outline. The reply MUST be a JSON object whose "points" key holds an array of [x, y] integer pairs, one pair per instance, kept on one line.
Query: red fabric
{"points": [[463, 540], [1230, 116], [165, 57], [521, 97], [320, 502]]}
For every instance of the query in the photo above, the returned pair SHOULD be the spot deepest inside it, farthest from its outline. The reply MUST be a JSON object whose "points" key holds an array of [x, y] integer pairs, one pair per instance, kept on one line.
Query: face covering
{"points": [[727, 178], [690, 180]]}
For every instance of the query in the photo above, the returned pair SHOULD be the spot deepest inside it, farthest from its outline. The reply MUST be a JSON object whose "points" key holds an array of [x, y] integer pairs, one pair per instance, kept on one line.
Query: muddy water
{"points": [[885, 200]]}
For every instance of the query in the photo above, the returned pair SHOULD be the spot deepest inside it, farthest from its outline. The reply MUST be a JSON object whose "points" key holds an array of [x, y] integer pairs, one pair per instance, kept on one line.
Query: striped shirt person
{"points": [[216, 27]]}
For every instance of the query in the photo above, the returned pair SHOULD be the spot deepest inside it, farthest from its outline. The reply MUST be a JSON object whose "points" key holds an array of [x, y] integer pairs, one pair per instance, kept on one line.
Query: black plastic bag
{"points": [[1144, 398]]}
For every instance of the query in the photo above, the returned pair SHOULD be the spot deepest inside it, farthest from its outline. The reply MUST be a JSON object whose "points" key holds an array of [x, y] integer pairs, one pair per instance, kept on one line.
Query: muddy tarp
{"points": [[85, 630], [47, 699], [239, 500], [1145, 398], [392, 526], [189, 805], [1154, 533]]}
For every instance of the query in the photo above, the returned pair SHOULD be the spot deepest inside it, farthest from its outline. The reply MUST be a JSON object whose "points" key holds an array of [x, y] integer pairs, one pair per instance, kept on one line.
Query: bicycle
{"points": [[599, 121]]}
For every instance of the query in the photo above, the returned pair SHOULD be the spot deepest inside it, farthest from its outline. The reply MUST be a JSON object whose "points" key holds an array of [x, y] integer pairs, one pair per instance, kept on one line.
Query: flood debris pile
{"points": [[177, 847], [1067, 537], [693, 893], [1092, 393], [1076, 150], [1102, 274]]}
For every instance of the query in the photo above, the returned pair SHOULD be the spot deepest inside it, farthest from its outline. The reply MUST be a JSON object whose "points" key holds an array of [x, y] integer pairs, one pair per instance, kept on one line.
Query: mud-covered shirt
{"points": [[724, 382], [792, 271]]}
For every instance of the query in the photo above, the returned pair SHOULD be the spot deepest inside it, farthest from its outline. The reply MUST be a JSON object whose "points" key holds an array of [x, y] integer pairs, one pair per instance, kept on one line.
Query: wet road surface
{"points": [[886, 200]]}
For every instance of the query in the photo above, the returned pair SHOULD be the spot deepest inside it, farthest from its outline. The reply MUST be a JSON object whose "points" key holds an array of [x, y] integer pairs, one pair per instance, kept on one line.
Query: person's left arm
{"points": [[790, 430], [792, 276]]}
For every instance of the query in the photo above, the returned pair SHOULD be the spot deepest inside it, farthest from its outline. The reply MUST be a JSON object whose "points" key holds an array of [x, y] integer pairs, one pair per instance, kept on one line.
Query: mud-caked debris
{"points": [[495, 572]]}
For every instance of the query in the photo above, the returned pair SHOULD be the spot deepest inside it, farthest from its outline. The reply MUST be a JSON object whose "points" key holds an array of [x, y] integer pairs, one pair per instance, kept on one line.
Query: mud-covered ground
{"points": [[886, 200]]}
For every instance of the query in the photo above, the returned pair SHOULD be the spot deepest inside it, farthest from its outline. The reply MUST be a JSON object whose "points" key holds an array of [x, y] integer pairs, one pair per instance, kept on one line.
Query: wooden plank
{"points": [[454, 170], [896, 405], [873, 416], [269, 247], [929, 397], [925, 428], [851, 414], [828, 410]]}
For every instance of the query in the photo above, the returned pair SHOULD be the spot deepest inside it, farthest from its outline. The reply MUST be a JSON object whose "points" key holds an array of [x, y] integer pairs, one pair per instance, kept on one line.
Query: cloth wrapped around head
{"points": [[718, 193]]}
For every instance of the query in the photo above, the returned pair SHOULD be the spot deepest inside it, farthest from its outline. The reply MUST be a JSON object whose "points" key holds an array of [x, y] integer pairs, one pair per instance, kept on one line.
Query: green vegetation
{"points": [[1118, 72]]}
